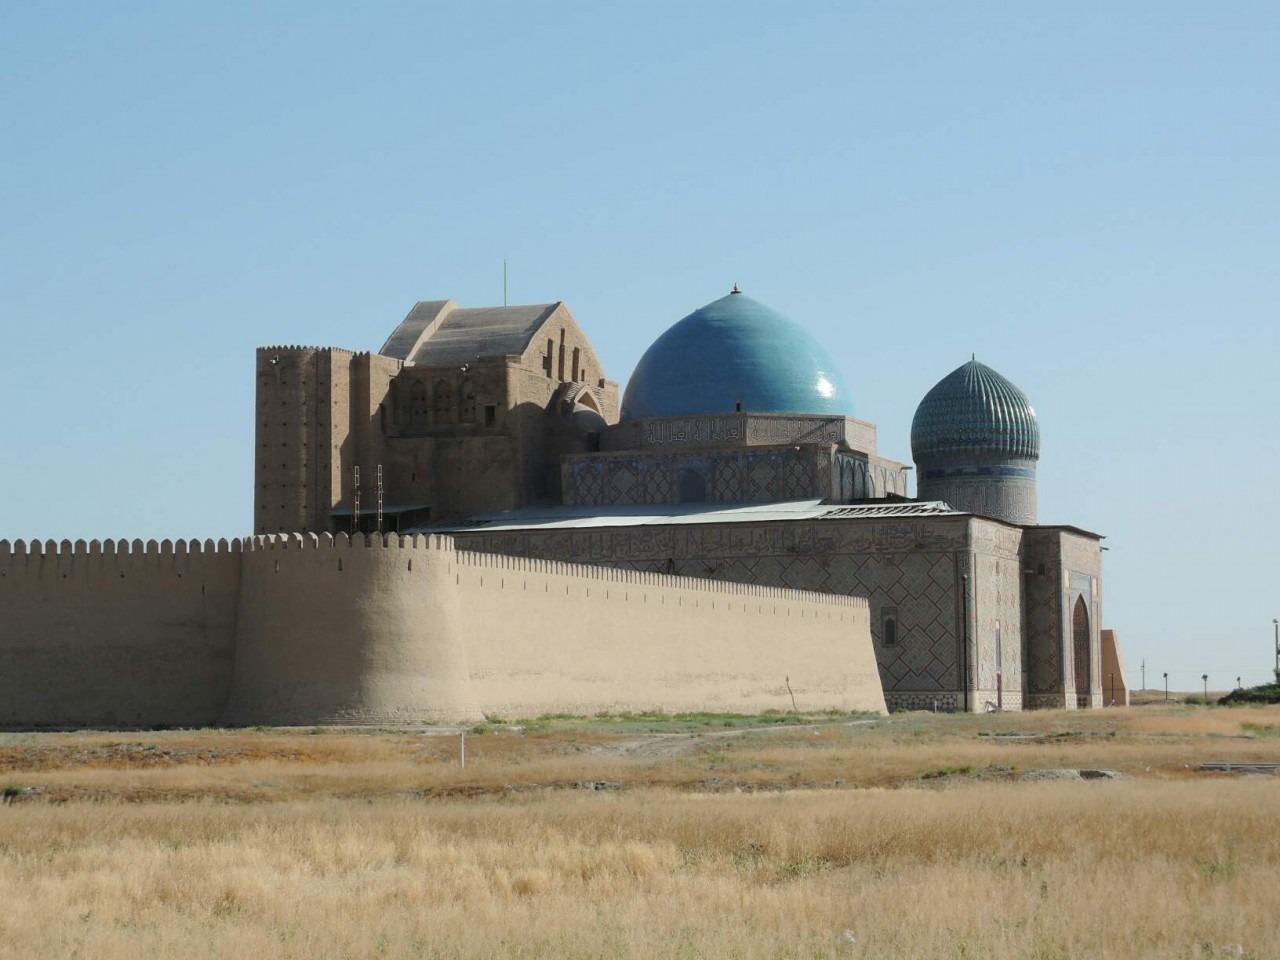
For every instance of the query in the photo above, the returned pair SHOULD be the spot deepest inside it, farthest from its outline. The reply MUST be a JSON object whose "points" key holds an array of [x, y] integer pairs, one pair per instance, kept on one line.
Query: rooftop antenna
{"points": [[504, 281]]}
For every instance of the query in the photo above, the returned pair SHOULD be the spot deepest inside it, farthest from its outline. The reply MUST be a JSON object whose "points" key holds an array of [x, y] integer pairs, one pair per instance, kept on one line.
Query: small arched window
{"points": [[419, 404], [889, 626], [467, 402], [442, 403]]}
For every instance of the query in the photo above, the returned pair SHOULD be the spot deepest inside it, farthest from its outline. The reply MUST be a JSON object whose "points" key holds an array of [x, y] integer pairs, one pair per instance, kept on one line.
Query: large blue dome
{"points": [[735, 351], [974, 410]]}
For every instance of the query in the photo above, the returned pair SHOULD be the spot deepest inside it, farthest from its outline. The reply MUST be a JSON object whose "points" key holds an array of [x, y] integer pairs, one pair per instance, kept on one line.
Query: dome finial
{"points": [[735, 289], [973, 358]]}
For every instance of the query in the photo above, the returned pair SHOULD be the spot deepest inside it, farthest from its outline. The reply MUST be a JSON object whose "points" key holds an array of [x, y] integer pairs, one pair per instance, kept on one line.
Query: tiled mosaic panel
{"points": [[941, 702], [998, 600], [740, 476], [1043, 619]]}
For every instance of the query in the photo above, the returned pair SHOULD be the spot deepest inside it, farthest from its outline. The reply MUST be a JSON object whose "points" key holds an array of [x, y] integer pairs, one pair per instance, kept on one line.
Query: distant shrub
{"points": [[1267, 693]]}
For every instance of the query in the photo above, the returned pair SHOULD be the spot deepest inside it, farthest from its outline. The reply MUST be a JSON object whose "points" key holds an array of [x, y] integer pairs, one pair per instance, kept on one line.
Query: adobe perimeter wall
{"points": [[1115, 688], [912, 571], [547, 636], [303, 629], [116, 634], [338, 629]]}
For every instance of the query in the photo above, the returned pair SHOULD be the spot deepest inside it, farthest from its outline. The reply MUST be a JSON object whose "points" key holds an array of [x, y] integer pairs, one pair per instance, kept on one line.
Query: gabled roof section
{"points": [[417, 326], [465, 334]]}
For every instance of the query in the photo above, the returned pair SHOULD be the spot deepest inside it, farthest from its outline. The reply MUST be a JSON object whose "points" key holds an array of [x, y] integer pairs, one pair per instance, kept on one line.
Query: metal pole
{"points": [[1144, 673], [1276, 623], [1205, 678], [1166, 687]]}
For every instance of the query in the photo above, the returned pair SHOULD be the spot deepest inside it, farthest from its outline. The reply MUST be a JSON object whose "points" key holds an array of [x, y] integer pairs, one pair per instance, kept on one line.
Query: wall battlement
{"points": [[175, 553], [176, 549], [65, 549], [293, 347], [317, 541]]}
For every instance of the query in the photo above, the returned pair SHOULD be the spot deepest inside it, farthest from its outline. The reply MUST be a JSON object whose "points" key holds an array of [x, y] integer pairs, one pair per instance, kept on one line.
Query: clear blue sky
{"points": [[1083, 194]]}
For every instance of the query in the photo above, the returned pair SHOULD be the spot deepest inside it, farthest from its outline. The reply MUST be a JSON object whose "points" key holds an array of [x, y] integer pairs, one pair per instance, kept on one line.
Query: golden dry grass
{"points": [[373, 845]]}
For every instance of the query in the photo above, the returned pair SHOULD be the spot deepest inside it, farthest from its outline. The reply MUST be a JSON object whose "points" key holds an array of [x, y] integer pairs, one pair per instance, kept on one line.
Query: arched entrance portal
{"points": [[1081, 637]]}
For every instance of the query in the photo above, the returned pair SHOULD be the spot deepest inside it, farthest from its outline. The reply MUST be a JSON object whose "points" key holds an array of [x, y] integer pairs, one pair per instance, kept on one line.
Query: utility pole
{"points": [[1276, 624], [1144, 673], [1166, 686], [1205, 678]]}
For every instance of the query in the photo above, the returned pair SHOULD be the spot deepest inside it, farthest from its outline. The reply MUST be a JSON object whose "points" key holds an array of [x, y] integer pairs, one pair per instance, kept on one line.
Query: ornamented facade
{"points": [[750, 470]]}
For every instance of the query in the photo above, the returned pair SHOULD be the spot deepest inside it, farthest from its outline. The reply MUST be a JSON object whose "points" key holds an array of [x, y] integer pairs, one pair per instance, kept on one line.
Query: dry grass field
{"points": [[704, 836]]}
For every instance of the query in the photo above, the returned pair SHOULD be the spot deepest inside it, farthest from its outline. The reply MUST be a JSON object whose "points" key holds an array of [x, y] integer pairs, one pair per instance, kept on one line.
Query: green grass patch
{"points": [[941, 772], [1261, 729]]}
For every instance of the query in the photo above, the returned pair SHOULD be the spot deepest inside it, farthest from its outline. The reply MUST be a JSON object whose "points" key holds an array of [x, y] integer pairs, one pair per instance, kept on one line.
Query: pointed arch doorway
{"points": [[1082, 648]]}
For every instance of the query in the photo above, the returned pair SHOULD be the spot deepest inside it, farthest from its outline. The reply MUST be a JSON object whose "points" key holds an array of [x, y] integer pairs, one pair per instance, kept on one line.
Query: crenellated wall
{"points": [[349, 630], [548, 636], [306, 629], [116, 633]]}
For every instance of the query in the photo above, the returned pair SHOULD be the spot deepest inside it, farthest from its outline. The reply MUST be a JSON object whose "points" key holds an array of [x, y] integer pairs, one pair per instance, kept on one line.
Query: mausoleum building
{"points": [[471, 521], [498, 427]]}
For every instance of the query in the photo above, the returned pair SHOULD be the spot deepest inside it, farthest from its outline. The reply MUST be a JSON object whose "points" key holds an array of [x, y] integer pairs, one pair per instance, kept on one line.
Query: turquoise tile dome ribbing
{"points": [[730, 352], [974, 410]]}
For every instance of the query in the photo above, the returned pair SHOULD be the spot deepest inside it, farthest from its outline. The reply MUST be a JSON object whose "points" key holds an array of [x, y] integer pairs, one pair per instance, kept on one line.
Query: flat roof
{"points": [[677, 514], [641, 515]]}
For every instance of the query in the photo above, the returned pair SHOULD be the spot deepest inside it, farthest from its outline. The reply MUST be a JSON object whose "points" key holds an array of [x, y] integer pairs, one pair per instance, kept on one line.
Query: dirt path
{"points": [[663, 746]]}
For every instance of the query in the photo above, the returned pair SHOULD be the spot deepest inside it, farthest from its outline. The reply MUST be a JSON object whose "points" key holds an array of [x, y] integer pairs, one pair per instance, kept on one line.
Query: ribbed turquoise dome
{"points": [[975, 410], [735, 351]]}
